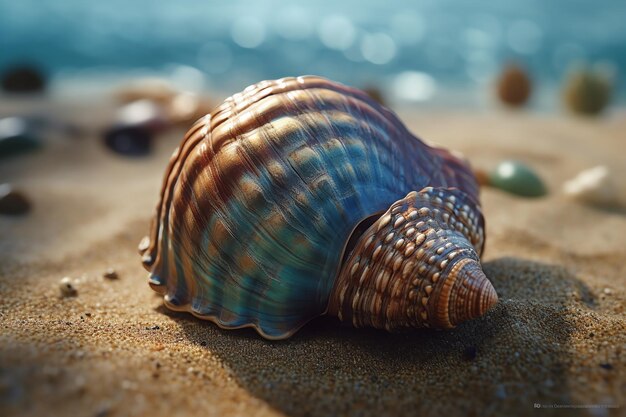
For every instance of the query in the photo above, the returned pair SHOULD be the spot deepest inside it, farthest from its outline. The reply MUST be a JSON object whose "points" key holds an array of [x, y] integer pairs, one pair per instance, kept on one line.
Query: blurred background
{"points": [[440, 52]]}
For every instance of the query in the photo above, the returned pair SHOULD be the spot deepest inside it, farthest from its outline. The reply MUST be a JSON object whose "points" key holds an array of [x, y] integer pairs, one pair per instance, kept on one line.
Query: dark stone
{"points": [[110, 274], [23, 79], [12, 202], [469, 353], [514, 86], [606, 366], [128, 140], [16, 137]]}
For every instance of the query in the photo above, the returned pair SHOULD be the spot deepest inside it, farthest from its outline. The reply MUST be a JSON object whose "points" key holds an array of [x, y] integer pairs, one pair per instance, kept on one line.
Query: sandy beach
{"points": [[556, 338]]}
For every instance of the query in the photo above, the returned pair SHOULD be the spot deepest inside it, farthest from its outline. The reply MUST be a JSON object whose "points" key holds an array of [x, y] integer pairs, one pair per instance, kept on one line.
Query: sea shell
{"points": [[300, 197]]}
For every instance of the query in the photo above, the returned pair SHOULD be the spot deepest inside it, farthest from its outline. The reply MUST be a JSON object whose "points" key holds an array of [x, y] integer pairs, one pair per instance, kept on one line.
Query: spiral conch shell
{"points": [[301, 197]]}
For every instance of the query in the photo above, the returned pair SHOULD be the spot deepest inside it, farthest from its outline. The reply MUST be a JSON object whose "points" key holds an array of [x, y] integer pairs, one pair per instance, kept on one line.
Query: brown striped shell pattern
{"points": [[301, 197]]}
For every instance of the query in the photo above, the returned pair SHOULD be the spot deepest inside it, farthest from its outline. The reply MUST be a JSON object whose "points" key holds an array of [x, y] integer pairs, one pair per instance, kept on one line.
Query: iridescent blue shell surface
{"points": [[262, 195]]}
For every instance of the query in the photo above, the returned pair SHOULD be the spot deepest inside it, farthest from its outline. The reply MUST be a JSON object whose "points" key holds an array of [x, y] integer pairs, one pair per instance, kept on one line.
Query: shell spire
{"points": [[418, 265]]}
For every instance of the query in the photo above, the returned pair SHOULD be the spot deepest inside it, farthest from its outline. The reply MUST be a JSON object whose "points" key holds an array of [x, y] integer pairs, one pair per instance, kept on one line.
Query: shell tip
{"points": [[472, 294], [489, 297]]}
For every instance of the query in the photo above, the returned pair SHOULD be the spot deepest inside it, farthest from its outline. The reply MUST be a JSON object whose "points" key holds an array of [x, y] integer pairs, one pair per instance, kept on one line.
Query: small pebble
{"points": [[12, 202], [514, 86], [517, 178], [16, 137], [51, 373], [135, 125], [23, 79], [593, 186], [142, 113], [608, 291], [587, 91], [606, 366], [128, 140], [110, 274], [103, 411], [67, 288], [80, 384]]}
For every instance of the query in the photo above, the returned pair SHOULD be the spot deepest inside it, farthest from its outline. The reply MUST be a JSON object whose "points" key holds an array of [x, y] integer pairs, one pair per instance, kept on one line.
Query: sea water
{"points": [[417, 49]]}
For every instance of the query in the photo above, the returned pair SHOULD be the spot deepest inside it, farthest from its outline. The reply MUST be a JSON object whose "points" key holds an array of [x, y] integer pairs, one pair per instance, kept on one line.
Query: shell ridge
{"points": [[268, 134], [260, 324], [271, 106], [324, 285], [303, 113], [275, 194], [216, 216], [170, 172], [303, 186], [307, 113], [171, 178]]}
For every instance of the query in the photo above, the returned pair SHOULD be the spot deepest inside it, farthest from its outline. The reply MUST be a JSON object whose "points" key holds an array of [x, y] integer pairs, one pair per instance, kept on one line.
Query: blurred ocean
{"points": [[438, 45]]}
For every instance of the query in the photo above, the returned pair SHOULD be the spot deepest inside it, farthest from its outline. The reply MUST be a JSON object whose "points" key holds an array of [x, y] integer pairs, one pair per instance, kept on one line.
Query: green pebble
{"points": [[518, 179], [587, 92]]}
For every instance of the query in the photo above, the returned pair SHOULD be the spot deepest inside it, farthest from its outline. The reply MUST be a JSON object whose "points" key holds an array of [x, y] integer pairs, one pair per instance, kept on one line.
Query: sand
{"points": [[557, 336]]}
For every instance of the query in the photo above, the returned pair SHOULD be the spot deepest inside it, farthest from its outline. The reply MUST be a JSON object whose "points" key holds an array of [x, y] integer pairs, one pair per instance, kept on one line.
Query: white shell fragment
{"points": [[593, 186]]}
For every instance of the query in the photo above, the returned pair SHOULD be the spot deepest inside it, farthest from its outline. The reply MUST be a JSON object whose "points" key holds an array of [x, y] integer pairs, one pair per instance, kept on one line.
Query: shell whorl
{"points": [[262, 195], [418, 265]]}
